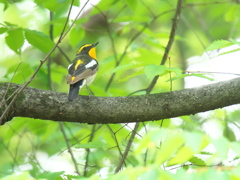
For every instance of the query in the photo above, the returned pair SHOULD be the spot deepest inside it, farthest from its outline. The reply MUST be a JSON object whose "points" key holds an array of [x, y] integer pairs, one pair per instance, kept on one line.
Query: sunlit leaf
{"points": [[236, 147], [15, 40], [132, 4], [228, 133], [176, 70], [231, 13], [197, 161], [177, 77], [3, 30], [169, 147], [75, 36], [151, 174], [39, 40], [95, 144], [153, 70], [132, 75], [218, 44], [228, 52], [199, 75], [235, 42], [51, 175], [183, 155], [125, 67], [221, 144], [5, 2]]}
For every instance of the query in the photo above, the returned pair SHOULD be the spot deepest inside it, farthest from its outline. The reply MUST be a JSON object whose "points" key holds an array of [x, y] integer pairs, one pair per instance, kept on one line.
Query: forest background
{"points": [[141, 126]]}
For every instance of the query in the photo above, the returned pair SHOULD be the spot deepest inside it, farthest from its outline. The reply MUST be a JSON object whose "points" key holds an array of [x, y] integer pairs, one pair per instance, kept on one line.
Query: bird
{"points": [[82, 70]]}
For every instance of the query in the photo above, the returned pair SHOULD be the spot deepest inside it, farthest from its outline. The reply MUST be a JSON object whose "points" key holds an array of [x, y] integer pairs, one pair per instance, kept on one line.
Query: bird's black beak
{"points": [[95, 44]]}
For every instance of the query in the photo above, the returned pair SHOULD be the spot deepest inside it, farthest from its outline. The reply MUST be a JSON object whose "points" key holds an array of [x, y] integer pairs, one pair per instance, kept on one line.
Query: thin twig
{"points": [[202, 23], [4, 102], [82, 139], [210, 72], [127, 148], [109, 34], [134, 92], [190, 27], [69, 147], [146, 153], [170, 42], [116, 140], [64, 54], [170, 75], [49, 61], [77, 16], [88, 150]]}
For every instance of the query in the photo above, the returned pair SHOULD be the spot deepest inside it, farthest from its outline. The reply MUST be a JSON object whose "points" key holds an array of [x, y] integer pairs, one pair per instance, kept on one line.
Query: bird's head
{"points": [[88, 49]]}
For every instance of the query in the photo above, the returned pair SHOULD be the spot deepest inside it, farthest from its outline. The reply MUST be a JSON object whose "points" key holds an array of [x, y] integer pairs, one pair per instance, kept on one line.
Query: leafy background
{"points": [[132, 37]]}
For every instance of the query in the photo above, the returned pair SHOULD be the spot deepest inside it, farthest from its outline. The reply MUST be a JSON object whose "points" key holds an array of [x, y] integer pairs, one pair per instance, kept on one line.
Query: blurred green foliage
{"points": [[133, 36]]}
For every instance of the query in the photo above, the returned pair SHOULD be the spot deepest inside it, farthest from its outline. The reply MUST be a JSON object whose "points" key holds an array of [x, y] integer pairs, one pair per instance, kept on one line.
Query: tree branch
{"points": [[169, 44], [48, 105]]}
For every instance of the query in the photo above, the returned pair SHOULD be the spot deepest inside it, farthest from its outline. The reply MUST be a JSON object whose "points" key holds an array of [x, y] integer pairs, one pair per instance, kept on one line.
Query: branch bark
{"points": [[49, 105]]}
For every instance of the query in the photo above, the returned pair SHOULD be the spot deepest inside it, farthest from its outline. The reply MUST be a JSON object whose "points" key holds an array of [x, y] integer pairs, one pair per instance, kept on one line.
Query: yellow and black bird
{"points": [[82, 70]]}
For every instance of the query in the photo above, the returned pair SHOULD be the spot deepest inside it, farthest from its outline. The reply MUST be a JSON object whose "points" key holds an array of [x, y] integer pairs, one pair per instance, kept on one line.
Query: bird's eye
{"points": [[84, 49]]}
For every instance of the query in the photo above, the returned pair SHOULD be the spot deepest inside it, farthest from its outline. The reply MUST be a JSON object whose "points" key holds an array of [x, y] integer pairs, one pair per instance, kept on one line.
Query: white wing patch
{"points": [[83, 84], [91, 63], [70, 66]]}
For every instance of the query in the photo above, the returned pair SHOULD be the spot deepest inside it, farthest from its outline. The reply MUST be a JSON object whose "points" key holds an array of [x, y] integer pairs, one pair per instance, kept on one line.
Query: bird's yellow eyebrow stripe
{"points": [[77, 63], [81, 48]]}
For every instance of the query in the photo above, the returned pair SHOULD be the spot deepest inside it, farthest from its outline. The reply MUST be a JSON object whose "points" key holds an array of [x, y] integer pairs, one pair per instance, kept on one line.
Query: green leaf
{"points": [[228, 52], [18, 176], [151, 174], [231, 14], [54, 5], [51, 175], [15, 40], [95, 144], [218, 44], [105, 5], [23, 72], [3, 30], [107, 60], [132, 4], [176, 70], [194, 74], [221, 144], [132, 75], [168, 148], [178, 73], [62, 1], [197, 161], [125, 67], [178, 77], [5, 2], [235, 146], [235, 42], [229, 134], [39, 40], [183, 155], [153, 70], [8, 24], [75, 36]]}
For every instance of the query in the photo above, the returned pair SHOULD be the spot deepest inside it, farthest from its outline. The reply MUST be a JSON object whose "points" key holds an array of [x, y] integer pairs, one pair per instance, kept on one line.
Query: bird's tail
{"points": [[74, 89]]}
